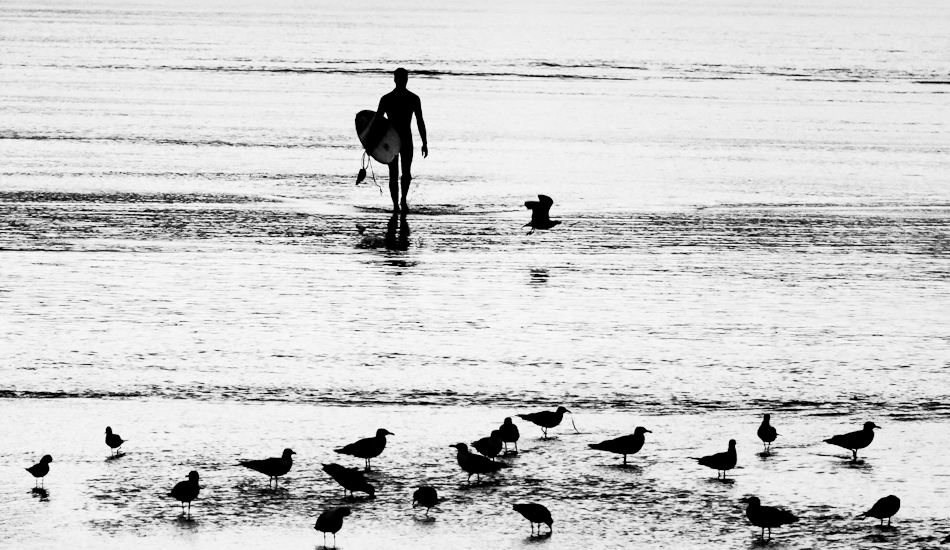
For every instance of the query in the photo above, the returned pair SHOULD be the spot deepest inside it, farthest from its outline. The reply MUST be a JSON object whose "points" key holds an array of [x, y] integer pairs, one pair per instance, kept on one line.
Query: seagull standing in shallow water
{"points": [[883, 508], [114, 441], [545, 419], [489, 446], [40, 469], [855, 440], [425, 496], [186, 491], [539, 213], [331, 521], [509, 434], [766, 517], [351, 479], [721, 462], [626, 445], [767, 433], [475, 464], [271, 467], [368, 448], [535, 513]]}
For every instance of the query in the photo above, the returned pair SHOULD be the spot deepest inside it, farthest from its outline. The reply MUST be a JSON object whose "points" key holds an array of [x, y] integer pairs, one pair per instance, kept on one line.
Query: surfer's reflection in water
{"points": [[399, 105], [400, 241]]}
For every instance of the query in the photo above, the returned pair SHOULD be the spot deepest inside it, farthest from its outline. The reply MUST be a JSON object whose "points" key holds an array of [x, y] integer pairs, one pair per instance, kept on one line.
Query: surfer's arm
{"points": [[422, 129]]}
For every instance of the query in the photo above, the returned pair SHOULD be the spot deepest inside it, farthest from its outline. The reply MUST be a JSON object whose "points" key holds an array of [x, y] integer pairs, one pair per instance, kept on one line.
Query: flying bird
{"points": [[539, 213], [368, 448], [883, 508], [545, 419], [40, 469], [114, 441], [766, 433], [186, 491], [626, 445], [351, 479], [766, 517], [721, 462], [855, 440], [271, 467], [509, 434], [489, 446], [535, 513], [331, 521], [425, 496], [475, 464]]}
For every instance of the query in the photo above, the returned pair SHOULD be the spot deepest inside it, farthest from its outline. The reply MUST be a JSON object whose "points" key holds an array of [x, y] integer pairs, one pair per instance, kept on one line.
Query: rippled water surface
{"points": [[756, 219]]}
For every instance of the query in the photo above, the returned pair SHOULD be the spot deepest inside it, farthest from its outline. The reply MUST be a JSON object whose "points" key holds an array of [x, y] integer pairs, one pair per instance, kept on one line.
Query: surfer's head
{"points": [[401, 76]]}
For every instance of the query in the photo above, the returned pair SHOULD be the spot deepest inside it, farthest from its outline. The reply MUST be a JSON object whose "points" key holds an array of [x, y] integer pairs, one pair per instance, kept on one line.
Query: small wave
{"points": [[186, 198], [169, 141], [909, 410]]}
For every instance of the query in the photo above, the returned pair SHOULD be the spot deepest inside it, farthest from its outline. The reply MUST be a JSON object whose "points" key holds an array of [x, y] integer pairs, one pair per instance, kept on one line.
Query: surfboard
{"points": [[380, 140]]}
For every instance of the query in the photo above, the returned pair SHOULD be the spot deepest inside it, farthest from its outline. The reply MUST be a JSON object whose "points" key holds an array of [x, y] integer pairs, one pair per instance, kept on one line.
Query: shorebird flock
{"points": [[489, 449]]}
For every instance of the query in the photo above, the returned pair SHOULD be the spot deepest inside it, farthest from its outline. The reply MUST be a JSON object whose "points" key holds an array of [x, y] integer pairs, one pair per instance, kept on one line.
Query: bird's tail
{"points": [[594, 446], [341, 451]]}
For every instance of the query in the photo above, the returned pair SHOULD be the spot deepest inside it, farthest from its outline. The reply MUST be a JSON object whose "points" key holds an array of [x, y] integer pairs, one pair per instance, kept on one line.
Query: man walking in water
{"points": [[399, 106]]}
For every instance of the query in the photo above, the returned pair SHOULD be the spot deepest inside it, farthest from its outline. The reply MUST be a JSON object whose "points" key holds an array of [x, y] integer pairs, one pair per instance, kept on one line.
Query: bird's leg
{"points": [[854, 457], [324, 540], [516, 446], [624, 460], [334, 540]]}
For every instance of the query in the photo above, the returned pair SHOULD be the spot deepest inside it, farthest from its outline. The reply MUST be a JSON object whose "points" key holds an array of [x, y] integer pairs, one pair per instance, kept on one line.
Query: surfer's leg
{"points": [[394, 182], [406, 175]]}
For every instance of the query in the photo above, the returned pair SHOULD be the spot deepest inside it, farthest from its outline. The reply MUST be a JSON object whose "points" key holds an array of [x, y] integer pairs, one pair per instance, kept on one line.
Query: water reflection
{"points": [[537, 539], [398, 241], [539, 276], [186, 523]]}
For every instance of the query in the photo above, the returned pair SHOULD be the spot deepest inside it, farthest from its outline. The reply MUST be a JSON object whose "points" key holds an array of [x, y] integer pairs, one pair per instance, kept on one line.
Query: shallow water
{"points": [[755, 220]]}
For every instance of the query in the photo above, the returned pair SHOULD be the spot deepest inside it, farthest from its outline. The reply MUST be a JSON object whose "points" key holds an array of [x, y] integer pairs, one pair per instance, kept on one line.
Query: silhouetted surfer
{"points": [[399, 106]]}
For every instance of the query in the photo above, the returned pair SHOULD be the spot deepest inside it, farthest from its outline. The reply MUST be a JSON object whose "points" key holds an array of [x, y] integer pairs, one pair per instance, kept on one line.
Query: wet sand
{"points": [[662, 499]]}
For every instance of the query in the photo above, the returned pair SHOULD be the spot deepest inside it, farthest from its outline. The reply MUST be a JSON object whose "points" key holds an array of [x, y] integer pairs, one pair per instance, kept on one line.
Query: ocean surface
{"points": [[755, 200]]}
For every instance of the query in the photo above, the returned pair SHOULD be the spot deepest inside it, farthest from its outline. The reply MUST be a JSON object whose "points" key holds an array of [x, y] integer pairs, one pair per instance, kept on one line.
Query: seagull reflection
{"points": [[398, 241], [539, 276]]}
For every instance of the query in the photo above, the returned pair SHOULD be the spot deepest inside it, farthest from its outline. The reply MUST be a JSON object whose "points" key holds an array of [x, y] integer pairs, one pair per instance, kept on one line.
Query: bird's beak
{"points": [[648, 431]]}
